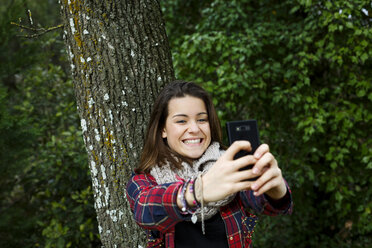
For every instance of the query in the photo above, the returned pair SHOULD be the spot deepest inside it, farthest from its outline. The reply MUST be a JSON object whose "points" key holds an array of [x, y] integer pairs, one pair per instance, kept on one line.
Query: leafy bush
{"points": [[302, 69], [45, 194], [58, 177]]}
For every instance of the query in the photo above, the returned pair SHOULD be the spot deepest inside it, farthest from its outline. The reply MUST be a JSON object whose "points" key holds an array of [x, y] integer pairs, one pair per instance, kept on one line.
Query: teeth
{"points": [[194, 141]]}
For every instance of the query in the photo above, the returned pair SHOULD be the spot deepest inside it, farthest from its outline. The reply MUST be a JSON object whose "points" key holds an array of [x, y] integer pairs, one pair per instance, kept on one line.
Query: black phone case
{"points": [[244, 130]]}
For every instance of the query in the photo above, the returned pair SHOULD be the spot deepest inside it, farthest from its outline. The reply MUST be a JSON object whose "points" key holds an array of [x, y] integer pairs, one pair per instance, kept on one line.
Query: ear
{"points": [[164, 133]]}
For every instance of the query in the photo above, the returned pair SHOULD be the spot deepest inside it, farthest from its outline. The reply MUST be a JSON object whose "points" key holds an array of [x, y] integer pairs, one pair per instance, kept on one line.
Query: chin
{"points": [[194, 155]]}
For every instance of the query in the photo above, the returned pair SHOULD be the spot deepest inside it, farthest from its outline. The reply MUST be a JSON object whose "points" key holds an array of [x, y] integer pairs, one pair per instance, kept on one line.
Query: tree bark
{"points": [[120, 59]]}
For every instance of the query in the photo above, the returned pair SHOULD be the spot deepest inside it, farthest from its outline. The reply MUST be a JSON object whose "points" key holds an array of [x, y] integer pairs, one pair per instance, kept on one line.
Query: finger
{"points": [[267, 186], [268, 176], [236, 147], [244, 161], [243, 185], [261, 150], [244, 175], [266, 160]]}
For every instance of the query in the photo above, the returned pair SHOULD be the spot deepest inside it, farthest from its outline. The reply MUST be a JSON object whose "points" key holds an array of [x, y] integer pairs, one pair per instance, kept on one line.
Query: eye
{"points": [[202, 120], [181, 121]]}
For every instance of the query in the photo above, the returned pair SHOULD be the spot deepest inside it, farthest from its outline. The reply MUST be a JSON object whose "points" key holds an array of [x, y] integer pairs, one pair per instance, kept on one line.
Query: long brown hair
{"points": [[156, 150]]}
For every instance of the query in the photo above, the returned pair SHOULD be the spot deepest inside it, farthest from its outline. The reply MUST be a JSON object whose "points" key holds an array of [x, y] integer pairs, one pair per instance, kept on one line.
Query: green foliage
{"points": [[54, 181], [63, 193], [17, 54], [302, 69], [45, 194], [17, 136]]}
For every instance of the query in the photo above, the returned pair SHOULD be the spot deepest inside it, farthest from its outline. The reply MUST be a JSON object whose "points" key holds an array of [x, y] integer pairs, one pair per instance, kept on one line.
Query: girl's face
{"points": [[187, 127]]}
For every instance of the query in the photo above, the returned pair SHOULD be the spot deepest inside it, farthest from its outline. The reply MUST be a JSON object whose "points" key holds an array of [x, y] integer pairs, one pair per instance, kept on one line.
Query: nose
{"points": [[194, 127]]}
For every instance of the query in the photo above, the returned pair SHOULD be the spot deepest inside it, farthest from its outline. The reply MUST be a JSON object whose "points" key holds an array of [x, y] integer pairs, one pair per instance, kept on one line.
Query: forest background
{"points": [[301, 68]]}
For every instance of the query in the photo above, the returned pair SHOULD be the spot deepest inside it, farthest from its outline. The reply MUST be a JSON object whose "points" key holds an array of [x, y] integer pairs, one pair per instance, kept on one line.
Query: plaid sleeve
{"points": [[154, 206], [265, 205]]}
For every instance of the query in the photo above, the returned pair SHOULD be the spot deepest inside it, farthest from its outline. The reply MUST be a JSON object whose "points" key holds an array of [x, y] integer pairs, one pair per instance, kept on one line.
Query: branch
{"points": [[39, 31]]}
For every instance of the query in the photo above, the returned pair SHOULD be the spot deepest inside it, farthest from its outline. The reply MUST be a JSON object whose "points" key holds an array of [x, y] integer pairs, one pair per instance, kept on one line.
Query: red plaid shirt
{"points": [[155, 209]]}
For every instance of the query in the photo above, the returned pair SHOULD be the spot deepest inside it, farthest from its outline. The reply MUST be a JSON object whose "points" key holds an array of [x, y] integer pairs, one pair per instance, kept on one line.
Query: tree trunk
{"points": [[120, 59]]}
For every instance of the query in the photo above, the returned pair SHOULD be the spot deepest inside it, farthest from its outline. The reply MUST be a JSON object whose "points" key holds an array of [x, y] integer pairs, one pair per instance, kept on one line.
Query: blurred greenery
{"points": [[301, 68], [45, 194]]}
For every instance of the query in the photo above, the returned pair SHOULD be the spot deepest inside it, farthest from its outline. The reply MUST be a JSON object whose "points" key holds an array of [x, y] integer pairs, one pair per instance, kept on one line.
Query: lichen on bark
{"points": [[117, 71]]}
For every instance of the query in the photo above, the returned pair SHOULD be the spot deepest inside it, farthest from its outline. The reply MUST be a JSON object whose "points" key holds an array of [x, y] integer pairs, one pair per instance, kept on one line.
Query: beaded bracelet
{"points": [[182, 197], [186, 209], [192, 191]]}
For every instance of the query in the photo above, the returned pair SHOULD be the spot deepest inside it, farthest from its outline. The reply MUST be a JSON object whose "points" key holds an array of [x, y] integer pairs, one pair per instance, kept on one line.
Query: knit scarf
{"points": [[164, 174]]}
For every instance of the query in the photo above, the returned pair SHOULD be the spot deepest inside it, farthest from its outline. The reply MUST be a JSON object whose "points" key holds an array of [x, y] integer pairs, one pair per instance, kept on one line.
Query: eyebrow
{"points": [[183, 115]]}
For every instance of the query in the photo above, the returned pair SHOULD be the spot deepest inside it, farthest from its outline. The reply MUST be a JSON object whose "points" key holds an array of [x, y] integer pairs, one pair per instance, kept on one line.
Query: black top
{"points": [[190, 235]]}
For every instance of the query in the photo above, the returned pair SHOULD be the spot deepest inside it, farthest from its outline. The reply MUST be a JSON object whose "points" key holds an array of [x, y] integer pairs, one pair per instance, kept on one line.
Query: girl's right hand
{"points": [[224, 177]]}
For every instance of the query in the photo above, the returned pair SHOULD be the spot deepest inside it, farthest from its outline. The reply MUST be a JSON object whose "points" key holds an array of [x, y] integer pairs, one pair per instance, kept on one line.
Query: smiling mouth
{"points": [[192, 141]]}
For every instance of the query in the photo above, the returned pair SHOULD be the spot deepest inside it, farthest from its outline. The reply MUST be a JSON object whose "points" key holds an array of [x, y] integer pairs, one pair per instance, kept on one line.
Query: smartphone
{"points": [[244, 130]]}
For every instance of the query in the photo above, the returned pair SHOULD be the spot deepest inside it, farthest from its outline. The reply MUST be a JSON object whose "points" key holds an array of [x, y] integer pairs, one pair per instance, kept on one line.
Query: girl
{"points": [[187, 190]]}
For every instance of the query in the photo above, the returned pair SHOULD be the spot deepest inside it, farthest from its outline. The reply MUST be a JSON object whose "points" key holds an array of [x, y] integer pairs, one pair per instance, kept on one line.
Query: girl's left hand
{"points": [[270, 179]]}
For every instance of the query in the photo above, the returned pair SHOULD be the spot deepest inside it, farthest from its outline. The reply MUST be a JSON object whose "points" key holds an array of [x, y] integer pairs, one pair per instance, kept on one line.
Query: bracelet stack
{"points": [[182, 196], [197, 193], [192, 191]]}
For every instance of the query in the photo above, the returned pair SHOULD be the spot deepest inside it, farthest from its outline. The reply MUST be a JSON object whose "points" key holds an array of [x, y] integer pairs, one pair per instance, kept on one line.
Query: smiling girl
{"points": [[187, 190]]}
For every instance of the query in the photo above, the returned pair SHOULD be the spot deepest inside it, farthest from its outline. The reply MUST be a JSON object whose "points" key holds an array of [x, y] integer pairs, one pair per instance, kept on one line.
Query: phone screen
{"points": [[244, 130]]}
